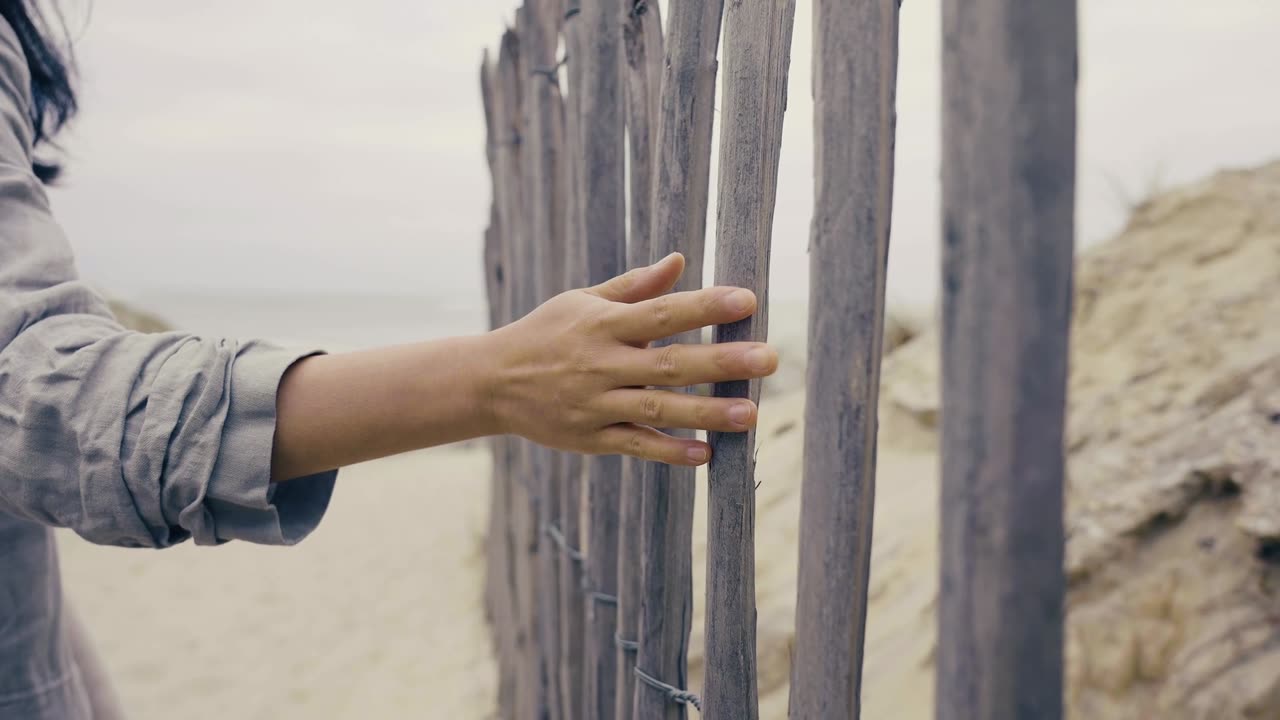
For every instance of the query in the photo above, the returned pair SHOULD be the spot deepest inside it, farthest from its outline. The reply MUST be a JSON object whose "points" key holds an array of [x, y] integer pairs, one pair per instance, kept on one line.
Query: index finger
{"points": [[680, 312]]}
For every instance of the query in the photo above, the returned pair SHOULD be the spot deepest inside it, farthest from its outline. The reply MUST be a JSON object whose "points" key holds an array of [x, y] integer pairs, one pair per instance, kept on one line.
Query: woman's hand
{"points": [[572, 375]]}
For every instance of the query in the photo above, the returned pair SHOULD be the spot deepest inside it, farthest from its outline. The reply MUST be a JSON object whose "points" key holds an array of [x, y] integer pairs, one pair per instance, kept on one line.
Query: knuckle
{"points": [[712, 301], [702, 413], [577, 417], [663, 312], [594, 321], [592, 318], [628, 279], [625, 281], [651, 406], [669, 362], [583, 362], [635, 444], [726, 360]]}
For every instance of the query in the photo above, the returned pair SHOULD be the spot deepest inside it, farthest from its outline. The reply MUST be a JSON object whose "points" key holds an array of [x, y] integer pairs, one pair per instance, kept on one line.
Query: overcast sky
{"points": [[316, 145]]}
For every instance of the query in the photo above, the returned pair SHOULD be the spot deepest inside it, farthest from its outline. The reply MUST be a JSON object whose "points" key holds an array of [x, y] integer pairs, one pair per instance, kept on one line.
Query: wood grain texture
{"points": [[551, 271], [757, 57], [551, 252], [642, 53], [1008, 176], [604, 222], [492, 269], [854, 81], [542, 148], [549, 560], [572, 600], [572, 574], [509, 131], [497, 545], [530, 700], [682, 161]]}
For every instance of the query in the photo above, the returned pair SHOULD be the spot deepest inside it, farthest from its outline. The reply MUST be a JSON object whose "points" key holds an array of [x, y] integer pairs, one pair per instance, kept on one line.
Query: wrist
{"points": [[492, 367]]}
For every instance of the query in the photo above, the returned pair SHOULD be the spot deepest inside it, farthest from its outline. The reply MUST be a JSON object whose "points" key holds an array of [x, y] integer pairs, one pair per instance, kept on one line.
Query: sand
{"points": [[376, 615]]}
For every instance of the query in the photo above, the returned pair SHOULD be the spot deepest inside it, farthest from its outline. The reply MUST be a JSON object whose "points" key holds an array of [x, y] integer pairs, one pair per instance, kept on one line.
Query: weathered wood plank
{"points": [[497, 591], [508, 131], [642, 50], [603, 209], [549, 561], [682, 159], [545, 181], [757, 56], [855, 74], [572, 600], [551, 257], [1008, 175], [539, 589], [492, 273], [530, 697]]}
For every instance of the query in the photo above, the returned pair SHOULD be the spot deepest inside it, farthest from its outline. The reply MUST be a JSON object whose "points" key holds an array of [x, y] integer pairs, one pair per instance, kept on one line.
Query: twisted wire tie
{"points": [[551, 73], [561, 542], [630, 646], [603, 598], [674, 694]]}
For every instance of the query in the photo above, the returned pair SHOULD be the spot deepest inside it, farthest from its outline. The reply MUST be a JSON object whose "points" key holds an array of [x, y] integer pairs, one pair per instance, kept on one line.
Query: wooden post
{"points": [[492, 268], [551, 254], [854, 79], [642, 44], [545, 180], [509, 130], [757, 52], [543, 218], [599, 48], [682, 161], [1008, 177], [496, 593], [572, 572]]}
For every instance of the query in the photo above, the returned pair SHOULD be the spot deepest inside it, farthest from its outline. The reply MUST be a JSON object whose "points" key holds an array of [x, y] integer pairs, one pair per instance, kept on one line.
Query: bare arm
{"points": [[571, 375]]}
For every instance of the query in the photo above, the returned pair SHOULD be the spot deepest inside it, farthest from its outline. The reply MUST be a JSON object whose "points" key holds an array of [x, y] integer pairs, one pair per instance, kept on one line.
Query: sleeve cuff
{"points": [[241, 499]]}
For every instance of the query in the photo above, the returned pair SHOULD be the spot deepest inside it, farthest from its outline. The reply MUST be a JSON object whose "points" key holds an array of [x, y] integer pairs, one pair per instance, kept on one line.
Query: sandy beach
{"points": [[376, 615]]}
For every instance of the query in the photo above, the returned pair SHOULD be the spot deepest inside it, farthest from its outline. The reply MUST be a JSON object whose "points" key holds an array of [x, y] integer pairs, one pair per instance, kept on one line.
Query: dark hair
{"points": [[53, 95]]}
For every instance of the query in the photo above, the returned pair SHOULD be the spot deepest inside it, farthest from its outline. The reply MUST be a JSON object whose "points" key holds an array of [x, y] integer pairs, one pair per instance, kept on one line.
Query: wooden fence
{"points": [[600, 160]]}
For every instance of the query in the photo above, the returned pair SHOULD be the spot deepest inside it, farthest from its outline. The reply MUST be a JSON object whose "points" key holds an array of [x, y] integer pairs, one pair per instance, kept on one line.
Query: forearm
{"points": [[570, 375], [336, 410]]}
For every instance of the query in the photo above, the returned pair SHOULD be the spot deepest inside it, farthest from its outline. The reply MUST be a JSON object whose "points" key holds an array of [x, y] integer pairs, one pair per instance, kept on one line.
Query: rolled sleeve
{"points": [[242, 503], [148, 440]]}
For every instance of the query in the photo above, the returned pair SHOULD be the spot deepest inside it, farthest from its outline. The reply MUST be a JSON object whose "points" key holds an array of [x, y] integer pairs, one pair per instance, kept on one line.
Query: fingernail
{"points": [[740, 300], [759, 360], [697, 454], [740, 414]]}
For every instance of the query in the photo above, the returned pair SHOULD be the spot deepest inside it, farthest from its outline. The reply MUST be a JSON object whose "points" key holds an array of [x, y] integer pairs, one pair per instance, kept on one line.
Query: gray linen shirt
{"points": [[127, 439]]}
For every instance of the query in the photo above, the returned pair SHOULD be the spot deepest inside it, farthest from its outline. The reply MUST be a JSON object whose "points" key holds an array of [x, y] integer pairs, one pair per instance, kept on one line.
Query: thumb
{"points": [[643, 283]]}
